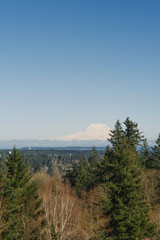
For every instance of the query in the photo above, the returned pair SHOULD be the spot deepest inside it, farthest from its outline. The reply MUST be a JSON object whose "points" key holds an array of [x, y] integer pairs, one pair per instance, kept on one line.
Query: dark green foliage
{"points": [[103, 169], [125, 205], [79, 176], [116, 134], [53, 233], [84, 176], [17, 170], [50, 168], [151, 158], [48, 160], [95, 165], [120, 171], [146, 159], [94, 158], [132, 133], [15, 175], [156, 153], [21, 210], [30, 213]]}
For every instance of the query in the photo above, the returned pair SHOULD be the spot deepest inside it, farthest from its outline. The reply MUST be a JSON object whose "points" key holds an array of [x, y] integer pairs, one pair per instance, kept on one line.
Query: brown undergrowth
{"points": [[74, 218]]}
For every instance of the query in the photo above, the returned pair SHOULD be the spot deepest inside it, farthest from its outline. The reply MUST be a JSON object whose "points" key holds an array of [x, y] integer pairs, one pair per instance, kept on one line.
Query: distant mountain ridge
{"points": [[29, 143], [94, 135]]}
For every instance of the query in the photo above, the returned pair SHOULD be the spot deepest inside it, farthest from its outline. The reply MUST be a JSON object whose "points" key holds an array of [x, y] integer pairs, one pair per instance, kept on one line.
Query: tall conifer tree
{"points": [[116, 134], [156, 153], [94, 158], [22, 204], [80, 176], [126, 206], [132, 133], [145, 156]]}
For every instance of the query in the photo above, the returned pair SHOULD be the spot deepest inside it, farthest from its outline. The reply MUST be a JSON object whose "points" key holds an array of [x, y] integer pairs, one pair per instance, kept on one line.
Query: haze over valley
{"points": [[93, 135]]}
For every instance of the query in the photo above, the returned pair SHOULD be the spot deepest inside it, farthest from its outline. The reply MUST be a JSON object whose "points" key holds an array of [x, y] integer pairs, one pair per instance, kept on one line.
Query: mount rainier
{"points": [[92, 132], [93, 135]]}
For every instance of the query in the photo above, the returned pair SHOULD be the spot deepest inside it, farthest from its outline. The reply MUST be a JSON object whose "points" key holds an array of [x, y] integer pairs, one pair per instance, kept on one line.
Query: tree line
{"points": [[121, 172], [113, 197]]}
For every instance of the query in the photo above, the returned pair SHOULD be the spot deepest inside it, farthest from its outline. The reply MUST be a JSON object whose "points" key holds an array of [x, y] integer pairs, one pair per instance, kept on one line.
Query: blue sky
{"points": [[66, 64]]}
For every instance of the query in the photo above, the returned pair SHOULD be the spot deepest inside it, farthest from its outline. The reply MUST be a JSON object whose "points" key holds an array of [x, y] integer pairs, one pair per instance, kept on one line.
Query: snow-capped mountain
{"points": [[93, 135], [92, 132]]}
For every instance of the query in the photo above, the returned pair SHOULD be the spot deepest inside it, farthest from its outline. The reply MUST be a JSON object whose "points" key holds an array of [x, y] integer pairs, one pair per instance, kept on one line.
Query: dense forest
{"points": [[53, 161], [83, 195]]}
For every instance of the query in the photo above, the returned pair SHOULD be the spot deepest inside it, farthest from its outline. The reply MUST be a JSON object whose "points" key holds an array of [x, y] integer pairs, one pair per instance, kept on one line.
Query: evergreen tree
{"points": [[16, 177], [93, 178], [71, 175], [31, 213], [50, 168], [9, 207], [116, 134], [103, 169], [156, 153], [132, 132], [17, 170], [22, 204], [94, 158], [80, 176], [126, 206], [145, 156]]}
